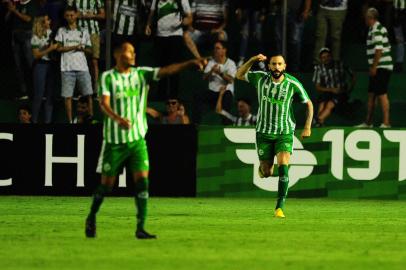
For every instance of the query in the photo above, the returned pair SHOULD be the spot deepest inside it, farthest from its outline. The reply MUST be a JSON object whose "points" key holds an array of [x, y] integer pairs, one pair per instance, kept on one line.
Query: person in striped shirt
{"points": [[275, 121], [380, 68], [331, 79], [90, 12], [123, 94]]}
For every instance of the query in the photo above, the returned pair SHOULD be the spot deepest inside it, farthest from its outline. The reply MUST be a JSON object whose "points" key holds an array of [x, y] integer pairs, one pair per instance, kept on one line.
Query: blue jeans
{"points": [[44, 85], [294, 38], [21, 46]]}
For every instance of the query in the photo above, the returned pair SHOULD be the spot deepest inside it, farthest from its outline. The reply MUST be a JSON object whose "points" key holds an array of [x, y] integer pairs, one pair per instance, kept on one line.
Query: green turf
{"points": [[47, 233]]}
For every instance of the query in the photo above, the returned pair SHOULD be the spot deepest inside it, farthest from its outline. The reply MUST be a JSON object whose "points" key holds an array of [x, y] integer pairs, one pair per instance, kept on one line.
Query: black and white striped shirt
{"points": [[239, 121], [334, 75]]}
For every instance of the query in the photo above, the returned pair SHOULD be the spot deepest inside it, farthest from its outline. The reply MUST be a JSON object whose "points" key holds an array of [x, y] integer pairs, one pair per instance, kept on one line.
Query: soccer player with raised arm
{"points": [[123, 93], [275, 121]]}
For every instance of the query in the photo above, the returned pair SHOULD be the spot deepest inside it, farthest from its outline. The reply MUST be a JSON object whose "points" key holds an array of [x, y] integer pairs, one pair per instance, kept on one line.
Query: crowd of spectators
{"points": [[57, 46]]}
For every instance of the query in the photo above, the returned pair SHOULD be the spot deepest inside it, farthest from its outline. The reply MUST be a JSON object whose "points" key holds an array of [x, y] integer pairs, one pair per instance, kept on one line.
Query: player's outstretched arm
{"points": [[247, 66], [309, 117], [178, 67]]}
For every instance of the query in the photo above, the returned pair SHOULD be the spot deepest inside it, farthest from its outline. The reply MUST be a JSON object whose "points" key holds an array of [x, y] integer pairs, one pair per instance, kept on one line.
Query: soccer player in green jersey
{"points": [[123, 94], [275, 121]]}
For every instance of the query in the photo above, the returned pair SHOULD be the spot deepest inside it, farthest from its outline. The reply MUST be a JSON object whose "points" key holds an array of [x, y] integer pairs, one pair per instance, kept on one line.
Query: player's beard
{"points": [[277, 74]]}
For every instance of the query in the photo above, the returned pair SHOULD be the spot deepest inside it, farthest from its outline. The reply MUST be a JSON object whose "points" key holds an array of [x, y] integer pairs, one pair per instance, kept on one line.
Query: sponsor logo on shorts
{"points": [[146, 162], [287, 145]]}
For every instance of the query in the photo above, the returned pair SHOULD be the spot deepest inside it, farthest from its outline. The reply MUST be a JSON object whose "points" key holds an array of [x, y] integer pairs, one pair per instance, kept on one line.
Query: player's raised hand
{"points": [[305, 133], [124, 123], [260, 57]]}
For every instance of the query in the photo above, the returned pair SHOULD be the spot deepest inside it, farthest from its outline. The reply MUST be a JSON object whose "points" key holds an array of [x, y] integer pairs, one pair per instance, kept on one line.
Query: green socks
{"points": [[98, 197], [141, 197], [283, 185]]}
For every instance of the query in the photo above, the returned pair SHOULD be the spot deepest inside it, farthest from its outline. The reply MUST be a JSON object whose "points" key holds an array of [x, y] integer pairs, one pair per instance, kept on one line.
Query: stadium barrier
{"points": [[333, 162], [61, 160]]}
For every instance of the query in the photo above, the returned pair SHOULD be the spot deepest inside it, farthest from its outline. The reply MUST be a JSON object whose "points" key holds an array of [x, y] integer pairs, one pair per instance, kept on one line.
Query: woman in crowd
{"points": [[44, 70]]}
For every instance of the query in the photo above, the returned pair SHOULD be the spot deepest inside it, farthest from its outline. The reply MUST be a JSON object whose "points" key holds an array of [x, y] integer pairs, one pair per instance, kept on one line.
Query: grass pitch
{"points": [[48, 233]]}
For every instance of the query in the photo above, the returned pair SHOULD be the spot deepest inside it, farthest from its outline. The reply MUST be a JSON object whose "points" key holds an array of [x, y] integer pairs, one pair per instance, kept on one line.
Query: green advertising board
{"points": [[333, 162]]}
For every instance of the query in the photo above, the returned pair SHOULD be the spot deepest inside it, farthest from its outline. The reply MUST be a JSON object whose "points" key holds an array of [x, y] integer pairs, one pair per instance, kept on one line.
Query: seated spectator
{"points": [[244, 118], [331, 80], [44, 68], [24, 114], [83, 115], [210, 20], [175, 113], [220, 72], [73, 44]]}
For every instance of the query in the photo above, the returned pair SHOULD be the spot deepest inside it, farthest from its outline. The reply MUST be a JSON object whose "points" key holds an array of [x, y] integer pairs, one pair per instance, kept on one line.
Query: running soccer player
{"points": [[275, 122], [123, 94]]}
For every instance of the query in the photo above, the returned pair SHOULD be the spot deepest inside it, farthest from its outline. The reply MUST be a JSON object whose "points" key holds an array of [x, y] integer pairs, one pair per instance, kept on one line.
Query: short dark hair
{"points": [[117, 48], [223, 43], [70, 8], [246, 100], [24, 107], [84, 100]]}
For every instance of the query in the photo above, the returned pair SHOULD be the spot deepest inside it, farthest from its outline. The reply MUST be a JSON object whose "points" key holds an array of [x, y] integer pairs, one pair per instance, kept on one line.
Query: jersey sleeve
{"points": [[150, 74], [208, 67], [34, 42], [59, 36], [104, 84], [301, 92], [229, 116], [232, 69], [377, 38], [186, 7], [316, 75], [253, 77], [86, 39]]}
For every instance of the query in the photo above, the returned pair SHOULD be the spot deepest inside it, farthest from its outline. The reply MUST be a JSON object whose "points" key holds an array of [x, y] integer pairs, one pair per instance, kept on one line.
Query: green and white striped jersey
{"points": [[125, 16], [399, 4], [88, 6], [128, 98], [378, 40], [275, 114]]}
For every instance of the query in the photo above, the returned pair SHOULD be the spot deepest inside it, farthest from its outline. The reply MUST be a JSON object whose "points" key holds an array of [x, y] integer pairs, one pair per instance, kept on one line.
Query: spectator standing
{"points": [[251, 15], [244, 118], [399, 27], [23, 14], [330, 19], [331, 79], [170, 17], [73, 43], [220, 72], [127, 19], [44, 68], [210, 20], [298, 13], [90, 12], [380, 68]]}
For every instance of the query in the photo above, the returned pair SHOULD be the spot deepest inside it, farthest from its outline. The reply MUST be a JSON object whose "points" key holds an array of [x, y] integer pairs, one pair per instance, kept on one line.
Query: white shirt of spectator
{"points": [[342, 6], [216, 81], [41, 43], [73, 60], [170, 24]]}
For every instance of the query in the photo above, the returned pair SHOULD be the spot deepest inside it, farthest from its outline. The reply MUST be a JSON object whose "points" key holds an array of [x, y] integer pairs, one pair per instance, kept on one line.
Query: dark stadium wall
{"points": [[62, 159]]}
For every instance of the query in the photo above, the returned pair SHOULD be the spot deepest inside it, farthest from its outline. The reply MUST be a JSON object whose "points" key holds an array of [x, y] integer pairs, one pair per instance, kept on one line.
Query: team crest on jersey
{"points": [[107, 167], [261, 152]]}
